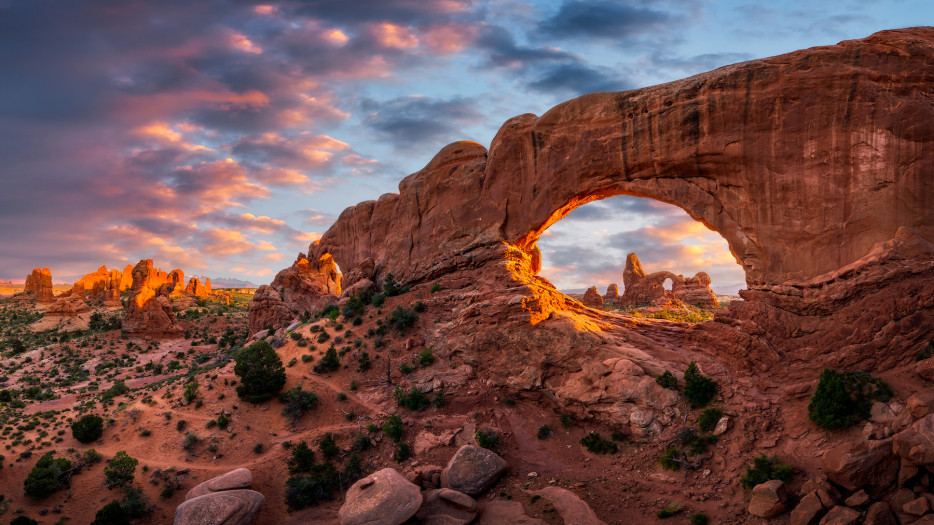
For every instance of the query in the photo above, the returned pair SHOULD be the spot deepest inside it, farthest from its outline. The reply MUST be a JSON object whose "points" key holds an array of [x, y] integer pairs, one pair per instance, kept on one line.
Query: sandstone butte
{"points": [[817, 167], [39, 282], [149, 310]]}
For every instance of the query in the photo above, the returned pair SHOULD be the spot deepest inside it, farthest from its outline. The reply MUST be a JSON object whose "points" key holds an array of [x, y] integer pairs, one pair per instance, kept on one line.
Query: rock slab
{"points": [[382, 498], [230, 507], [472, 470]]}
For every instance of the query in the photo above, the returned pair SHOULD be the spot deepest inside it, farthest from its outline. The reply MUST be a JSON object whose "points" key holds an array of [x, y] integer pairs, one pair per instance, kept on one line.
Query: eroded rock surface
{"points": [[382, 498], [230, 507], [472, 470], [39, 283], [240, 478], [306, 286], [149, 310]]}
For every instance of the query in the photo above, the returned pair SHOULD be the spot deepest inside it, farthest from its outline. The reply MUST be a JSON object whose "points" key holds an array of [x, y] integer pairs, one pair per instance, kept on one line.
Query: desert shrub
{"points": [[406, 368], [765, 468], [223, 420], [668, 460], [565, 420], [328, 446], [487, 439], [87, 429], [92, 456], [363, 362], [312, 487], [597, 445], [667, 380], [258, 448], [699, 518], [191, 391], [393, 428], [435, 287], [190, 441], [401, 319], [49, 475], [112, 513], [544, 432], [438, 401], [413, 399], [707, 420], [121, 470], [302, 458], [360, 443], [698, 389], [425, 357], [390, 286], [842, 399], [180, 425], [378, 300], [260, 371], [297, 402], [672, 509], [117, 389], [23, 520], [402, 453], [330, 362], [323, 336]]}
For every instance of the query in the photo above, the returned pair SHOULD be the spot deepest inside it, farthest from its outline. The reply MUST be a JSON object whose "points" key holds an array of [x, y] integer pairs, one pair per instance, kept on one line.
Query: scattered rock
{"points": [[573, 510], [840, 515], [472, 470], [855, 464], [807, 512], [879, 513], [723, 424], [917, 507], [240, 478], [916, 443], [230, 507], [446, 507], [857, 499], [768, 499], [921, 403], [382, 498]]}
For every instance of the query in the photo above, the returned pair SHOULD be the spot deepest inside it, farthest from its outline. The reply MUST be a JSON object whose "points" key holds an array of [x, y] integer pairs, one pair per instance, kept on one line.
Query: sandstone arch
{"points": [[817, 167]]}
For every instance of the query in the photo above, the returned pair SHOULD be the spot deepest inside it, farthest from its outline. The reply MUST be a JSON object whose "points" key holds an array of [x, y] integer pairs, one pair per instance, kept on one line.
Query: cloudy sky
{"points": [[223, 136]]}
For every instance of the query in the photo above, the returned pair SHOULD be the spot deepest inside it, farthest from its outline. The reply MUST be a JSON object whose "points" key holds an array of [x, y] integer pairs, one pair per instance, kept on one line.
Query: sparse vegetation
{"points": [[87, 429], [544, 432], [393, 428], [260, 371], [842, 399], [413, 399], [297, 402], [121, 470], [672, 509], [699, 390], [597, 445], [667, 380], [49, 475], [707, 420], [487, 439], [765, 468]]}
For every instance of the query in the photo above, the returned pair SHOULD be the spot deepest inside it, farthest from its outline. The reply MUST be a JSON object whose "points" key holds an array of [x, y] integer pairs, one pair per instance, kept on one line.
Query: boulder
{"points": [[857, 499], [230, 507], [921, 403], [768, 499], [808, 511], [446, 507], [382, 498], [472, 470], [572, 508], [879, 513], [915, 444], [240, 478], [268, 310], [856, 464], [592, 298], [840, 515]]}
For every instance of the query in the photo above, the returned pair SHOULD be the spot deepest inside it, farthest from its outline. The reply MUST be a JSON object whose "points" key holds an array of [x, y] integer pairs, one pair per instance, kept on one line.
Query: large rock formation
{"points": [[650, 288], [149, 311], [306, 286], [196, 289], [815, 166], [103, 285], [39, 283]]}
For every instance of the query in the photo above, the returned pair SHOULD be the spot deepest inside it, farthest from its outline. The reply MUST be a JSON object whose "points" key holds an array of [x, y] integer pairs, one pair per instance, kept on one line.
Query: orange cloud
{"points": [[265, 10], [392, 35], [449, 38], [335, 36], [240, 42]]}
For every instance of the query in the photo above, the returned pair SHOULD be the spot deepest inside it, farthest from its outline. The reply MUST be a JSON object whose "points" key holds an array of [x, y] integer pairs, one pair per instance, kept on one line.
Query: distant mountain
{"points": [[227, 282]]}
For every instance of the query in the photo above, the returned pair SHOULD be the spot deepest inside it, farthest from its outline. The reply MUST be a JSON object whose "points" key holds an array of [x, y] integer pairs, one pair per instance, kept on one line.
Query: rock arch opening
{"points": [[591, 246]]}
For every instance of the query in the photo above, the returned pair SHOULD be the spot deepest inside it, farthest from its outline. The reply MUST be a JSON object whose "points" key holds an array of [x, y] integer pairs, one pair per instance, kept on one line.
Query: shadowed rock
{"points": [[472, 470], [240, 478], [230, 507], [382, 498], [446, 507]]}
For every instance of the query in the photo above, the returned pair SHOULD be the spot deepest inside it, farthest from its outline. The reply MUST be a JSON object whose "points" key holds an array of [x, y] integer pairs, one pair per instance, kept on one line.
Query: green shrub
{"points": [[402, 453], [180, 425], [191, 391], [297, 402], [672, 509], [669, 457], [258, 448], [597, 445], [698, 389], [330, 362], [312, 487], [487, 439], [87, 429], [223, 420], [323, 336], [699, 518], [544, 432], [49, 475], [363, 362], [393, 428], [842, 399], [112, 513], [378, 300], [707, 420], [667, 380], [390, 286], [401, 319], [92, 456], [302, 458], [413, 399], [435, 287], [425, 357], [260, 371], [328, 446], [23, 520], [765, 468], [121, 470]]}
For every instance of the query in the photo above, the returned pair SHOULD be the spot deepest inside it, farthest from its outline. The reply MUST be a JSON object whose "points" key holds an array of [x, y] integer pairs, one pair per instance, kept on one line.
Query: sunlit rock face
{"points": [[149, 309], [817, 167], [650, 288], [39, 283], [306, 286]]}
